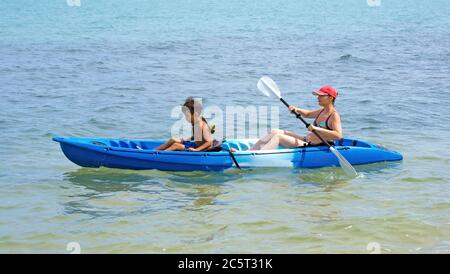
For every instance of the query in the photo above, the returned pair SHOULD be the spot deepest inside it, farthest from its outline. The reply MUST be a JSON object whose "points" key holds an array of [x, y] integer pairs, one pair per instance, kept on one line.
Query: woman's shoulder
{"points": [[315, 113], [335, 114], [334, 117]]}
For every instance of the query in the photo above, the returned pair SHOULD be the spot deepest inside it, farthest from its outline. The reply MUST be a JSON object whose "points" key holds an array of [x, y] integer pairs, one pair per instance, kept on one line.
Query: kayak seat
{"points": [[244, 146], [226, 146], [142, 145], [113, 144], [229, 146], [238, 145], [134, 145], [123, 144], [235, 146], [97, 143]]}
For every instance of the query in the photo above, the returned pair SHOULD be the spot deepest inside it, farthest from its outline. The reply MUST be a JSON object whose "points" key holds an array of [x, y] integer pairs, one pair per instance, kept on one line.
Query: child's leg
{"points": [[167, 144], [175, 146]]}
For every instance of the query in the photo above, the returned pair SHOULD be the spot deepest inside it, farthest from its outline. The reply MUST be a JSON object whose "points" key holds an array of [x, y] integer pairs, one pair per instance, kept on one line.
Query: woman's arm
{"points": [[304, 112], [325, 133]]}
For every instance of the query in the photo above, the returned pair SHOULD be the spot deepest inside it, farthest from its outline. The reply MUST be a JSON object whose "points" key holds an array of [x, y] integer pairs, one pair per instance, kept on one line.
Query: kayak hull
{"points": [[140, 154]]}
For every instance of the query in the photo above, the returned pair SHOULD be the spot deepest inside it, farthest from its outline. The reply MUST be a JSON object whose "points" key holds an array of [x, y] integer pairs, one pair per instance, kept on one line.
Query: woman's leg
{"points": [[175, 146], [167, 144], [261, 142], [296, 136], [283, 140]]}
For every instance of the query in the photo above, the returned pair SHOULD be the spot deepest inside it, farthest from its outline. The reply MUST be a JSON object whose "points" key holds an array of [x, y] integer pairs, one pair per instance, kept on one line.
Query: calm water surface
{"points": [[117, 68]]}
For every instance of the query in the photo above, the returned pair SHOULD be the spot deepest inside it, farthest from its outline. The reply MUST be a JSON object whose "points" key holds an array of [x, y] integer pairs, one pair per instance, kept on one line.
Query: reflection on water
{"points": [[323, 176], [204, 177], [382, 167], [105, 180], [213, 206], [108, 192], [332, 177]]}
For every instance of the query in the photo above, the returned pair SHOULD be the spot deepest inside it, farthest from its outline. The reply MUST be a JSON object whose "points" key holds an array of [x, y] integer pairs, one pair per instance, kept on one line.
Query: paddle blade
{"points": [[268, 87], [345, 165]]}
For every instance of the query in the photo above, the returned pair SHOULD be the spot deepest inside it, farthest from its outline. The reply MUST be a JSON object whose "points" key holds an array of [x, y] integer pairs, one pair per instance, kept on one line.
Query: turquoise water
{"points": [[117, 68]]}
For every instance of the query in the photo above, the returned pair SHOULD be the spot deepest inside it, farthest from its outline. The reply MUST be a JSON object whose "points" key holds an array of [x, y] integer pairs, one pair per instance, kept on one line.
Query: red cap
{"points": [[326, 90]]}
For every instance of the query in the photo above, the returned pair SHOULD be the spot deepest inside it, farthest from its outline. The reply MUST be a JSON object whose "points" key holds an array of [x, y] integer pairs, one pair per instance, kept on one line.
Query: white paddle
{"points": [[270, 89]]}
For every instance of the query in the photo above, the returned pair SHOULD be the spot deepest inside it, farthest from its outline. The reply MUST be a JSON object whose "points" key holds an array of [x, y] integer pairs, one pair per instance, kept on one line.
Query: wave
{"points": [[351, 58]]}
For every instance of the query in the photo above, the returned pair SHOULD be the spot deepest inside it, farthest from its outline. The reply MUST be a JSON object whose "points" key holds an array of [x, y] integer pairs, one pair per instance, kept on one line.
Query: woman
{"points": [[327, 123]]}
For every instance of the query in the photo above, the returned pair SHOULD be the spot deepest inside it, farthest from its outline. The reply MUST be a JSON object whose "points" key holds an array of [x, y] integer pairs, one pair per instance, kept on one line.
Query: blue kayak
{"points": [[139, 154]]}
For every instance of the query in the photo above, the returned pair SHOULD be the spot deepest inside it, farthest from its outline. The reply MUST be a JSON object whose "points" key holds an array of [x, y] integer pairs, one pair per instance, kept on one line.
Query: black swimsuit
{"points": [[326, 121], [321, 126]]}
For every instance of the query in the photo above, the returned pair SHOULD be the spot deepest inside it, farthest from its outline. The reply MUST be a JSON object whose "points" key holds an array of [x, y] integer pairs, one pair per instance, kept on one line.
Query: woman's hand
{"points": [[292, 109], [192, 149], [312, 128]]}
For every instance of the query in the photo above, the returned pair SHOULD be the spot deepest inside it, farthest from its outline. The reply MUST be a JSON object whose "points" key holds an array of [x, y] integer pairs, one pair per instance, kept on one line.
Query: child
{"points": [[192, 110]]}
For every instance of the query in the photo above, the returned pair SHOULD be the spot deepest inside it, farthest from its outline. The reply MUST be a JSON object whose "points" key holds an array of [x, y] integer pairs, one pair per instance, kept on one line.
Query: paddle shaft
{"points": [[232, 157], [306, 123]]}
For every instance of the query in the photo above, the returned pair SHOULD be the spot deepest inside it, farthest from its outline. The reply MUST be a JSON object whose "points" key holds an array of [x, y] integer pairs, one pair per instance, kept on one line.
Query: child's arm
{"points": [[206, 137]]}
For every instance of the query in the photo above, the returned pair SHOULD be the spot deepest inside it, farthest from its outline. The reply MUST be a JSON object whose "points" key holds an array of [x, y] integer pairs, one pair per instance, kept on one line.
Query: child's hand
{"points": [[192, 149]]}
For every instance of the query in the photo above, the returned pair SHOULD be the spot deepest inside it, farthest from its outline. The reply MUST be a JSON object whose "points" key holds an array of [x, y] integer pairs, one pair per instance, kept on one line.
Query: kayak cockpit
{"points": [[237, 144]]}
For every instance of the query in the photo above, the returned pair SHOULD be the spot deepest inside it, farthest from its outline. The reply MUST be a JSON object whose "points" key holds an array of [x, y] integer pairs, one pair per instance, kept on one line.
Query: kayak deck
{"points": [[140, 154]]}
